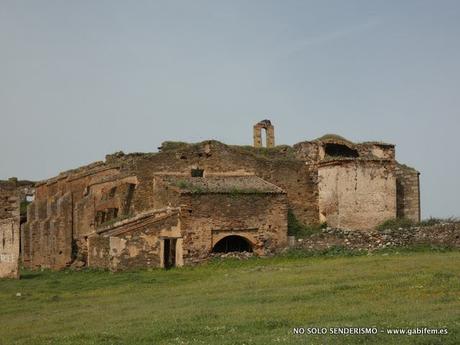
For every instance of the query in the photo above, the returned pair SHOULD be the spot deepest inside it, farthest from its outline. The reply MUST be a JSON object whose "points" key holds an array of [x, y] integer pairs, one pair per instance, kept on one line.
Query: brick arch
{"points": [[233, 243], [269, 133]]}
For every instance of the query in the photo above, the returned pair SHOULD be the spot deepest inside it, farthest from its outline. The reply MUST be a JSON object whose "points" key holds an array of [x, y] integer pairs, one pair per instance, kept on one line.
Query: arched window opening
{"points": [[263, 137]]}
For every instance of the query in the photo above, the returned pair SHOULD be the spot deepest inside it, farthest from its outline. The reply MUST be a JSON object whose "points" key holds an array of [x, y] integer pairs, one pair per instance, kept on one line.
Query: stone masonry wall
{"points": [[47, 235], [357, 194], [141, 248], [9, 230], [367, 195], [441, 235], [408, 193], [294, 176], [9, 200], [104, 202], [207, 218], [9, 248], [290, 174]]}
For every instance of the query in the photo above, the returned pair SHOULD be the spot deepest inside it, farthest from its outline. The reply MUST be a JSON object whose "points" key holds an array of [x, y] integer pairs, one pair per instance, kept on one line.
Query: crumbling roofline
{"points": [[242, 192], [141, 218], [352, 160]]}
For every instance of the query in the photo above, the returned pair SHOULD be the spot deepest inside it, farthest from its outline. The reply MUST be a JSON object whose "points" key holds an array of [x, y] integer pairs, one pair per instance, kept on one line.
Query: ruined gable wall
{"points": [[294, 176], [207, 218], [408, 193], [141, 248], [106, 200], [357, 194]]}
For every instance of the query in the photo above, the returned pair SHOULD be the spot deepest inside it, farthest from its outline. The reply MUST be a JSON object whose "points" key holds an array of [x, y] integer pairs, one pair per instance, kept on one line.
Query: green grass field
{"points": [[258, 301]]}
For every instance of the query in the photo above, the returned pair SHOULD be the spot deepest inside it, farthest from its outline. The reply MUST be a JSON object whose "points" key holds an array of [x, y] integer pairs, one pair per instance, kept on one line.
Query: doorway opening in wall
{"points": [[232, 243], [169, 252], [197, 172], [263, 137]]}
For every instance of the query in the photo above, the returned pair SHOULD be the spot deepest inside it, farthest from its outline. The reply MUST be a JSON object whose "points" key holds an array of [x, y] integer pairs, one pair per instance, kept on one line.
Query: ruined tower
{"points": [[269, 132]]}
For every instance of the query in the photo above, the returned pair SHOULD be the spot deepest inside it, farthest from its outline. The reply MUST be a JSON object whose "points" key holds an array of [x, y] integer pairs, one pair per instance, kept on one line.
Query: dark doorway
{"points": [[197, 172], [232, 243], [169, 253]]}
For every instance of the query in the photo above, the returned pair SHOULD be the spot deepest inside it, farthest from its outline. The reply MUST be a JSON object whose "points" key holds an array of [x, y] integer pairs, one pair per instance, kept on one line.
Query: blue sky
{"points": [[80, 79]]}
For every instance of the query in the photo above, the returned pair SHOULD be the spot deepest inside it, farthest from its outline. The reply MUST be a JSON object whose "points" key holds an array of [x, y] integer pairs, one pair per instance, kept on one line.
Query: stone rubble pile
{"points": [[233, 255], [445, 234]]}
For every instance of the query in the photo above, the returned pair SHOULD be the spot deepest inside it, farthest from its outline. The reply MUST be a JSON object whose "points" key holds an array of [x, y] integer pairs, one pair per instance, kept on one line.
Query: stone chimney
{"points": [[269, 133]]}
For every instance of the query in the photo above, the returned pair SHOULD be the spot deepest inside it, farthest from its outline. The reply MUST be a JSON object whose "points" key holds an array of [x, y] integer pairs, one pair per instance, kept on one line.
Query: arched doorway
{"points": [[232, 243]]}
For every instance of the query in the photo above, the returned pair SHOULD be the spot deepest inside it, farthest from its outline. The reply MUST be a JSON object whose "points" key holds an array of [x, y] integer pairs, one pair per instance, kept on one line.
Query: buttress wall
{"points": [[408, 193], [9, 231], [47, 235]]}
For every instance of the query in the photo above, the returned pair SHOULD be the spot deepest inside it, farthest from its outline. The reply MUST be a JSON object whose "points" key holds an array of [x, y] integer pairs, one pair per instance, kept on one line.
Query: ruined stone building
{"points": [[176, 206]]}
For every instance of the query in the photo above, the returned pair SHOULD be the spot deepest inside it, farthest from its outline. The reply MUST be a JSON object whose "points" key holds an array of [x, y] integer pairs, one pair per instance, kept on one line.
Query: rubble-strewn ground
{"points": [[253, 301]]}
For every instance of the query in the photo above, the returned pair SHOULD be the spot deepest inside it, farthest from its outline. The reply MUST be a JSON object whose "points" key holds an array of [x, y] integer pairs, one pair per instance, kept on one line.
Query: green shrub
{"points": [[433, 221], [407, 223], [327, 252], [23, 207], [395, 223], [173, 145], [296, 228], [182, 184], [430, 221]]}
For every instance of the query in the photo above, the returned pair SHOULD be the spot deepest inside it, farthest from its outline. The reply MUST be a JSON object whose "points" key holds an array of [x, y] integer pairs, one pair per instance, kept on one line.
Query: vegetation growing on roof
{"points": [[233, 191], [335, 137], [173, 145], [183, 184], [405, 167], [277, 152]]}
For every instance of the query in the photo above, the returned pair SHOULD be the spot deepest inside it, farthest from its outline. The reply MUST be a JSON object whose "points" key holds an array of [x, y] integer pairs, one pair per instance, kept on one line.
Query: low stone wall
{"points": [[445, 235]]}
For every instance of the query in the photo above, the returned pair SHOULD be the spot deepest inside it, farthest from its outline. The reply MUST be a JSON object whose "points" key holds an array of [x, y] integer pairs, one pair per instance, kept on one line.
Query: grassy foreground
{"points": [[258, 301]]}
